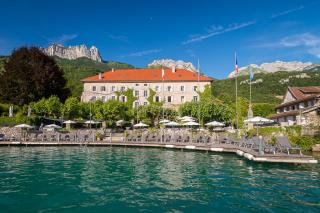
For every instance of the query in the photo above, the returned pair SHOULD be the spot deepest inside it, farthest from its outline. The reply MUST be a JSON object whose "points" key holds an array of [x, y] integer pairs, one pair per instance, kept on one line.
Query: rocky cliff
{"points": [[73, 52], [273, 67], [172, 63]]}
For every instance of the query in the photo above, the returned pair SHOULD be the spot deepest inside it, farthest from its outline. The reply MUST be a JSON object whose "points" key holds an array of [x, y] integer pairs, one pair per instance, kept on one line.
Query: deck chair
{"points": [[283, 143]]}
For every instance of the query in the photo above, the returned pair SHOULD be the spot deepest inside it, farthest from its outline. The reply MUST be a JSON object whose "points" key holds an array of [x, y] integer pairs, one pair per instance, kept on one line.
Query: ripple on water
{"points": [[99, 179]]}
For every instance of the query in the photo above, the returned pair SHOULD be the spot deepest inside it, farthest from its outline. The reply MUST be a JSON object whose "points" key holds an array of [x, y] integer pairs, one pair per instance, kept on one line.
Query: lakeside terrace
{"points": [[254, 149]]}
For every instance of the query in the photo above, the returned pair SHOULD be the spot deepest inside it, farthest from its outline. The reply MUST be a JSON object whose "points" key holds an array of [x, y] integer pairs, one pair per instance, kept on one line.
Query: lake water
{"points": [[115, 179]]}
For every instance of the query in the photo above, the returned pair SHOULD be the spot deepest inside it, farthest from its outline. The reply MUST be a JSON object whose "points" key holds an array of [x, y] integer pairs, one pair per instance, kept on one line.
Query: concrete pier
{"points": [[247, 153]]}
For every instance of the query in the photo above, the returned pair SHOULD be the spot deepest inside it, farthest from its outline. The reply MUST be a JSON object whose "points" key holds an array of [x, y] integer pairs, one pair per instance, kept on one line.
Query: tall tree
{"points": [[30, 75]]}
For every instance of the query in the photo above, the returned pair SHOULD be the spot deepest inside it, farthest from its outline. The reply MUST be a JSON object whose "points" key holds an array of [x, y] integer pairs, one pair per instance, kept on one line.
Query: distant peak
{"points": [[73, 52], [272, 67], [179, 64]]}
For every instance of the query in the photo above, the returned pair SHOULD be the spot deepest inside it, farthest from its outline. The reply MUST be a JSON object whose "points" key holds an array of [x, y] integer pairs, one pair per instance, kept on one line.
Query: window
{"points": [[182, 99], [136, 93], [195, 88], [103, 98], [182, 88], [113, 98], [169, 99], [305, 104], [94, 88], [157, 88], [157, 99], [123, 89], [113, 88], [137, 84], [93, 98], [145, 103], [102, 88], [136, 104], [195, 98], [123, 99], [145, 85], [169, 88], [145, 93]]}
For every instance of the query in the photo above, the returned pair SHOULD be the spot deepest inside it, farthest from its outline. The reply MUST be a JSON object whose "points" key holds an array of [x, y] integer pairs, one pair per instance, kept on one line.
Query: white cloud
{"points": [[62, 39], [218, 30], [305, 39], [307, 42], [287, 12], [143, 53]]}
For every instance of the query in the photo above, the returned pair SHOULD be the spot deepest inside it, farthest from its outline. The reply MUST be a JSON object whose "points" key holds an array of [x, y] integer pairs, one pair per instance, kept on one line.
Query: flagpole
{"points": [[199, 91], [236, 70], [162, 75], [250, 83]]}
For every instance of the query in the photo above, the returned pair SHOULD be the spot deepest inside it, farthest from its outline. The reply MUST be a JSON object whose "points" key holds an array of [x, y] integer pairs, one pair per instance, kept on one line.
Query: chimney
{"points": [[173, 69], [100, 75]]}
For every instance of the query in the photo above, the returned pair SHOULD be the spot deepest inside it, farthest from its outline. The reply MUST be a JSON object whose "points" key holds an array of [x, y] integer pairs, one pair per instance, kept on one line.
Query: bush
{"points": [[305, 142]]}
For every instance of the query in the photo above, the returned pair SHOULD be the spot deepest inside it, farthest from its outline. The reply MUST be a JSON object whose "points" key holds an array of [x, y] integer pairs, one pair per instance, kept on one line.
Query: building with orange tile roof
{"points": [[174, 86]]}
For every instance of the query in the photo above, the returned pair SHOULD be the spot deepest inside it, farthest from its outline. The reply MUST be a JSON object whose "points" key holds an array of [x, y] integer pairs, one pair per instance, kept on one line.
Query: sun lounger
{"points": [[264, 146], [283, 143]]}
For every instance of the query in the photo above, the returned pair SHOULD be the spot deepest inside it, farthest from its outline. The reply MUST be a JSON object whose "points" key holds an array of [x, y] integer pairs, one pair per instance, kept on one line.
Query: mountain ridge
{"points": [[73, 52], [272, 67]]}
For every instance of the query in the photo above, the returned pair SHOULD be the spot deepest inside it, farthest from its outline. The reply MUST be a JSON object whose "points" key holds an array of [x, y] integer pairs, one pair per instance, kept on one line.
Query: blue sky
{"points": [[139, 31]]}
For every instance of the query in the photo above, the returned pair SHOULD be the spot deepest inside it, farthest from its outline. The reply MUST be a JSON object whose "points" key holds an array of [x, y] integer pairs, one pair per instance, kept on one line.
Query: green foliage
{"points": [[53, 106], [130, 97], [150, 98], [39, 107], [209, 110], [305, 142], [149, 114], [112, 111], [267, 90], [71, 108], [206, 94], [29, 76], [18, 119], [265, 131], [263, 109], [243, 106]]}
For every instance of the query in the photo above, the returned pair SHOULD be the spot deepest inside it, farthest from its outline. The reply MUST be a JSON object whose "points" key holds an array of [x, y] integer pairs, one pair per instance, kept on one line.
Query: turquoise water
{"points": [[105, 179]]}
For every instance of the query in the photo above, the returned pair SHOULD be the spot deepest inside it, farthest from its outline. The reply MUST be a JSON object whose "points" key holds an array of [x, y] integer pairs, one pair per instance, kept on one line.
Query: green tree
{"points": [[263, 109], [149, 114], [53, 106], [71, 108], [29, 76], [39, 107]]}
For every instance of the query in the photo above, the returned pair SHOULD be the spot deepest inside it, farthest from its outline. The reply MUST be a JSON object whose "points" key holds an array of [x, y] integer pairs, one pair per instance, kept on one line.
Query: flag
{"points": [[162, 74], [251, 73], [236, 65]]}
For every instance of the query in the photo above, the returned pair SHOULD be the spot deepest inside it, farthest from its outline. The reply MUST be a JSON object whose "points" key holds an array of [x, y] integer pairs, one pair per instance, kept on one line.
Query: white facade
{"points": [[173, 93]]}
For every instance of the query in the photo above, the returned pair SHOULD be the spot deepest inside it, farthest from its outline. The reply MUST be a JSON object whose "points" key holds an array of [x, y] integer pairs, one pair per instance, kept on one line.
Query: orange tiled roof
{"points": [[146, 75]]}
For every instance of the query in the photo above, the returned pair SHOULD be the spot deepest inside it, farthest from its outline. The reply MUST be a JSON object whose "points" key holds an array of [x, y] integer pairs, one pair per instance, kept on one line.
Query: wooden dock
{"points": [[241, 151]]}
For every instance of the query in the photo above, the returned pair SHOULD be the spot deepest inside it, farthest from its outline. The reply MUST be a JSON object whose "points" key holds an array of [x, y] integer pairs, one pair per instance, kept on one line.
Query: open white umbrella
{"points": [[52, 126], [23, 126], [69, 122], [185, 120], [191, 123], [172, 124], [140, 125], [258, 120], [215, 124], [91, 122], [164, 121]]}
